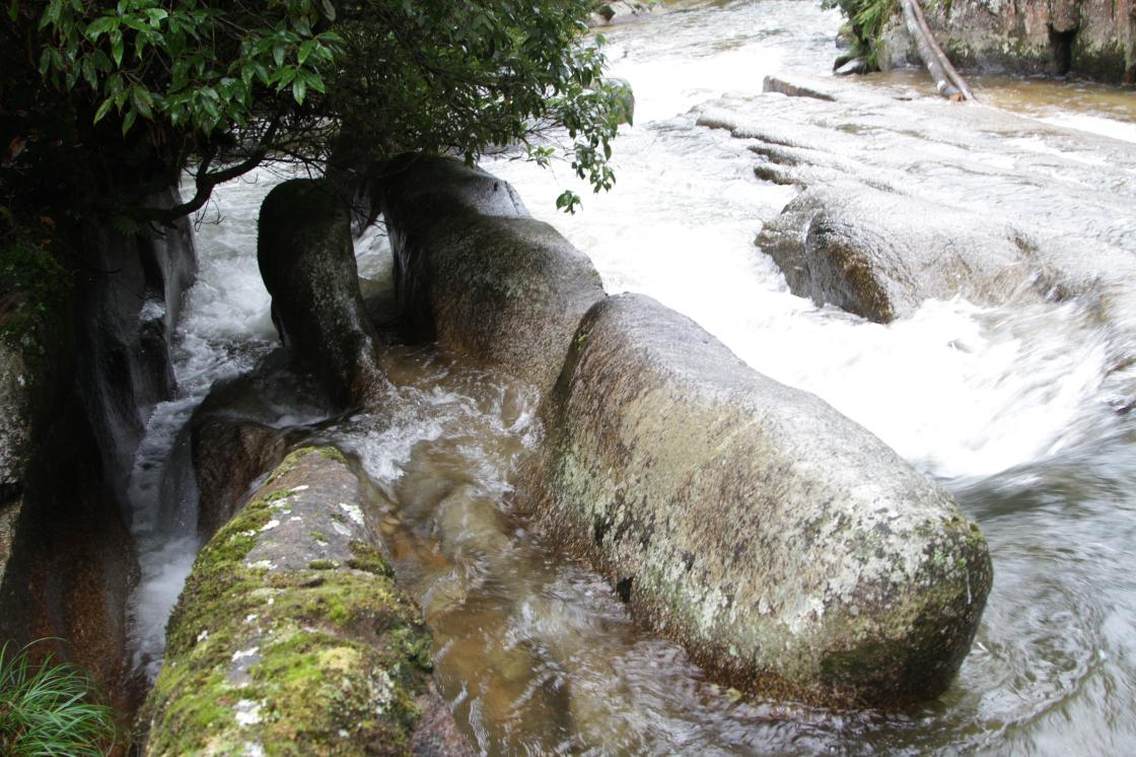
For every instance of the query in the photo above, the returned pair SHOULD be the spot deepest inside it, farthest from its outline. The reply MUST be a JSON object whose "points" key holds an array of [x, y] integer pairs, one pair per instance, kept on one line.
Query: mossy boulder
{"points": [[789, 550], [307, 259], [290, 636], [474, 271]]}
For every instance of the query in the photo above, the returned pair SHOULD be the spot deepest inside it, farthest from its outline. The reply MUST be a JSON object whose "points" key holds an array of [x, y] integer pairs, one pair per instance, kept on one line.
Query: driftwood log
{"points": [[947, 80]]}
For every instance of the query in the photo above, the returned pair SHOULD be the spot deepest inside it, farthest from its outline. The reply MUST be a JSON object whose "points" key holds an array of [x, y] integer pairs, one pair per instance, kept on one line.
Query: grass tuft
{"points": [[47, 709]]}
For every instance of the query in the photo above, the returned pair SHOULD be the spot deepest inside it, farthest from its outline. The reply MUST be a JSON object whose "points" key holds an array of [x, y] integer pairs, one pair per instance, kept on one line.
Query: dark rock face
{"points": [[243, 429], [71, 563], [1089, 37], [291, 637], [786, 547], [306, 257], [474, 271]]}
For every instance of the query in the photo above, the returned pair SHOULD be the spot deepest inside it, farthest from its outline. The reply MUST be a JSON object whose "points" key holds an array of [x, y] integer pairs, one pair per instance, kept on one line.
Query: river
{"points": [[1014, 409]]}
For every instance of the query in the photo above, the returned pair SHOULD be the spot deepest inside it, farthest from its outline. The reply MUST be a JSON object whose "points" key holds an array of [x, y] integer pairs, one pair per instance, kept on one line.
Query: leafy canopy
{"points": [[142, 88]]}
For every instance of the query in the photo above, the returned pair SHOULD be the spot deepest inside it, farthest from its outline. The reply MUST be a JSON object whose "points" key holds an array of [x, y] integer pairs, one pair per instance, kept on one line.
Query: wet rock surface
{"points": [[474, 271], [921, 200], [243, 429], [305, 252], [785, 546], [291, 637]]}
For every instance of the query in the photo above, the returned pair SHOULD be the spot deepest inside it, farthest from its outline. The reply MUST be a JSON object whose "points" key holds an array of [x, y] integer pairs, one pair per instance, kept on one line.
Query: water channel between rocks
{"points": [[1011, 407]]}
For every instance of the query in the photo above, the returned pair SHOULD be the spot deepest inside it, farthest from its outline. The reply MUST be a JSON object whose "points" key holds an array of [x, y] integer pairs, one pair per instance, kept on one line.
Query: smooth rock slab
{"points": [[787, 548], [290, 636]]}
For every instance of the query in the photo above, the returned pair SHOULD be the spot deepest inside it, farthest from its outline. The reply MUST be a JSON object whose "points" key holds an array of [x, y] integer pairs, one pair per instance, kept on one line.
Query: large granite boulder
{"points": [[476, 272], [787, 548], [307, 259], [290, 636]]}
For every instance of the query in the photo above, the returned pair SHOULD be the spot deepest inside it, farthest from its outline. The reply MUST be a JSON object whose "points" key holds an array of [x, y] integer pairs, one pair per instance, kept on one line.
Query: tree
{"points": [[104, 103]]}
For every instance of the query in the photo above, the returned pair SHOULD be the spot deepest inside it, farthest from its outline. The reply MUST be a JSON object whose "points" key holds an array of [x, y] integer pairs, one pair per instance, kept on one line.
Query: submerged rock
{"points": [[290, 636], [243, 429], [786, 547], [307, 260], [474, 271]]}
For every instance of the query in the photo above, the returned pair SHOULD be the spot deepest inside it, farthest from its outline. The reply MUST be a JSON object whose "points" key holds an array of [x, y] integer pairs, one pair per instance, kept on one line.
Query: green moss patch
{"points": [[329, 659]]}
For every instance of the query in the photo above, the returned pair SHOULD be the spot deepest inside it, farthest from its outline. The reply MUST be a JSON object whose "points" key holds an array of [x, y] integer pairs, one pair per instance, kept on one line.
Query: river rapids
{"points": [[1014, 409]]}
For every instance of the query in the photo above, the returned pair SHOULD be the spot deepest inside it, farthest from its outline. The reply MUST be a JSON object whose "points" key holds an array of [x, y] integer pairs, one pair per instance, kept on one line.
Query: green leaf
{"points": [[143, 102], [306, 50], [128, 121], [103, 109], [116, 47], [100, 26]]}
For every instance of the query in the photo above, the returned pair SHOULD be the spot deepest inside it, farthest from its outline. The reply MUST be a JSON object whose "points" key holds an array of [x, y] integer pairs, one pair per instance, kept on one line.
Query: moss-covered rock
{"points": [[285, 642]]}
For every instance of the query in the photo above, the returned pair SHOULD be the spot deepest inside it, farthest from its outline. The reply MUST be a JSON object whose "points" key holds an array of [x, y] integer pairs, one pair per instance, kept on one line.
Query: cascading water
{"points": [[225, 328], [1012, 407]]}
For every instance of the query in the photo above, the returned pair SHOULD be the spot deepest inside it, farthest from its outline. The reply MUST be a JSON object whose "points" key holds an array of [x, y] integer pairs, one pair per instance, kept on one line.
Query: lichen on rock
{"points": [[283, 643]]}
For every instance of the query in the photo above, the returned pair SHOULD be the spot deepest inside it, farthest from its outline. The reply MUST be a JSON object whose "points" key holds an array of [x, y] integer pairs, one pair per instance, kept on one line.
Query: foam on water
{"points": [[225, 328]]}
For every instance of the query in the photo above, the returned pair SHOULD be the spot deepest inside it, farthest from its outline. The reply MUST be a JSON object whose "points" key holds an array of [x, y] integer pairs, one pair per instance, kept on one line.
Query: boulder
{"points": [[243, 429], [854, 247], [307, 260], [786, 547], [290, 636], [475, 272], [618, 12]]}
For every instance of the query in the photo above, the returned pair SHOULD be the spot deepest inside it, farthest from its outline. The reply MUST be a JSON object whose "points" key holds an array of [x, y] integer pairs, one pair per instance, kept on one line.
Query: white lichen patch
{"points": [[248, 712], [202, 636], [243, 653], [354, 512], [253, 749], [295, 519], [251, 618], [300, 488], [382, 689], [269, 525], [262, 565], [340, 529]]}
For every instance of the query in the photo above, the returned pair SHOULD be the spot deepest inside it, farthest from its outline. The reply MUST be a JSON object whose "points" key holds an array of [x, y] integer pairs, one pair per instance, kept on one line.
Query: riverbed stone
{"points": [[290, 636], [789, 550], [855, 247], [475, 272], [306, 255]]}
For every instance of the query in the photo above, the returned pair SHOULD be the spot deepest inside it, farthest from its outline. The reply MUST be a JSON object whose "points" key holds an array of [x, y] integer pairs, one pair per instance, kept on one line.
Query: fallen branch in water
{"points": [[947, 80]]}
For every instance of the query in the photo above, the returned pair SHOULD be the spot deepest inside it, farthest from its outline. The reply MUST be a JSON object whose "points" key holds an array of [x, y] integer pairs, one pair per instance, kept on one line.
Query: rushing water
{"points": [[1013, 408]]}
